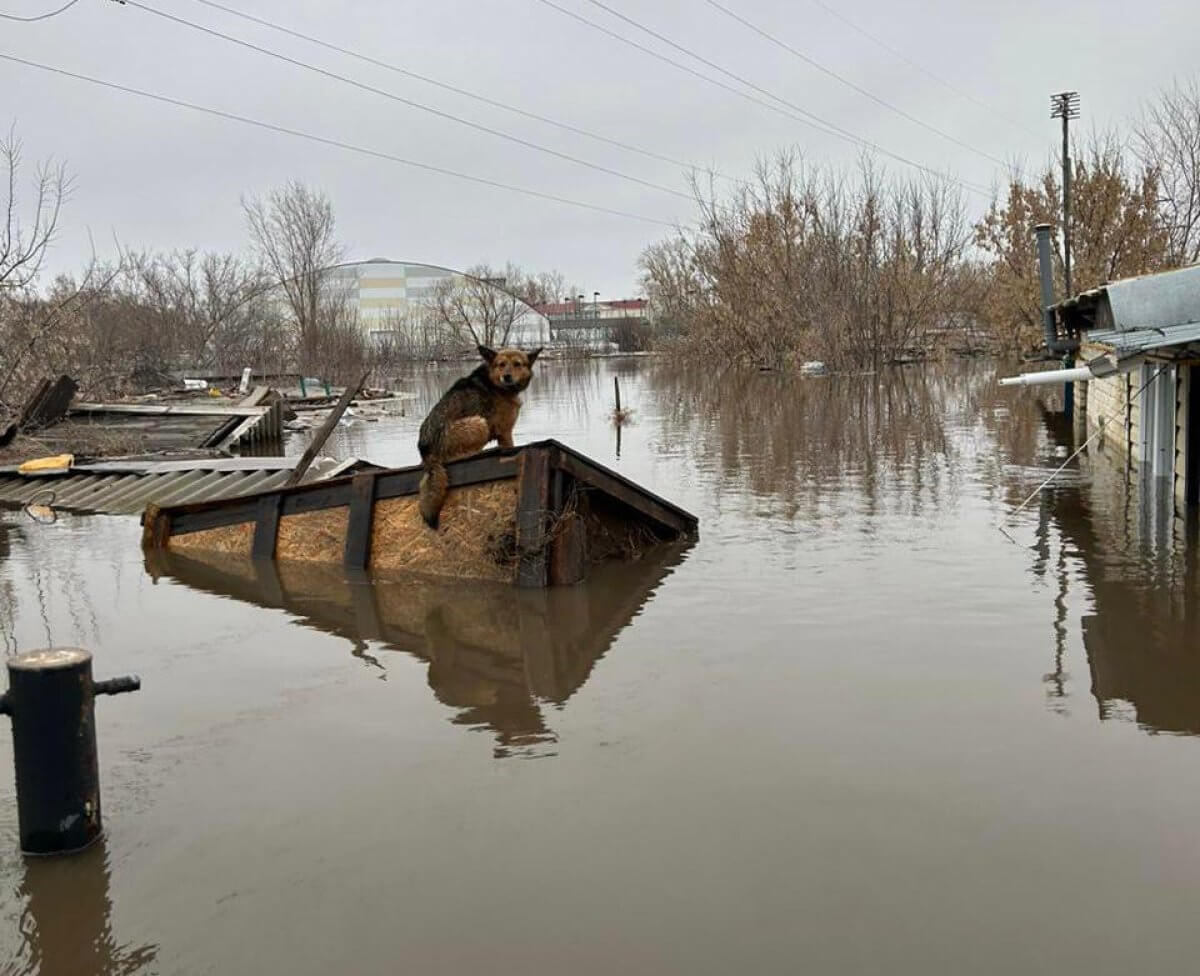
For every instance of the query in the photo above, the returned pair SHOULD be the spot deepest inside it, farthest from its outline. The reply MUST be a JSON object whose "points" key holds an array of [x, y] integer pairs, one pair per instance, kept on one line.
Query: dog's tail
{"points": [[435, 483]]}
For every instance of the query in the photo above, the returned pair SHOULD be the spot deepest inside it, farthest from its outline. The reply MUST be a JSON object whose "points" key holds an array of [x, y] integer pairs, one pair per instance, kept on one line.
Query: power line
{"points": [[745, 81], [445, 86], [804, 117], [409, 102], [834, 12], [29, 20], [850, 84], [312, 137]]}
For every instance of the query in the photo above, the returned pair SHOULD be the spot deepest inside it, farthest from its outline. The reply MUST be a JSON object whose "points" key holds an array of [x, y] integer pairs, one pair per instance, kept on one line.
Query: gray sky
{"points": [[161, 177]]}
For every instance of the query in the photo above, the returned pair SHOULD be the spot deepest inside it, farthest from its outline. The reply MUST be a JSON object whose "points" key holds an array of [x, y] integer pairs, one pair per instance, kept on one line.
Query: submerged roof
{"points": [[125, 487], [1133, 341], [1154, 301]]}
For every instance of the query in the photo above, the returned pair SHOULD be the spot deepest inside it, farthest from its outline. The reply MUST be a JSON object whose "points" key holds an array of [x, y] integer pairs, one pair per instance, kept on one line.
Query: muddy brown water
{"points": [[854, 729]]}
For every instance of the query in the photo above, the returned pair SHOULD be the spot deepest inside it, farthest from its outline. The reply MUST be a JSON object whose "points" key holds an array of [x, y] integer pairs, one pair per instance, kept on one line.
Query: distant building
{"points": [[389, 294], [595, 324]]}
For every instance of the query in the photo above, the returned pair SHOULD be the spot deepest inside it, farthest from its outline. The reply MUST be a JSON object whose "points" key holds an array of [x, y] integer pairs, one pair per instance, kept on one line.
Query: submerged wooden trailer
{"points": [[537, 515], [503, 658]]}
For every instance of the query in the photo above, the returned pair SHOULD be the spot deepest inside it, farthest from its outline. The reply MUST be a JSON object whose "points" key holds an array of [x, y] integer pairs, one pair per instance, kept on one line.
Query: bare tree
{"points": [[23, 244], [209, 304], [806, 262], [1168, 143], [476, 308], [293, 233]]}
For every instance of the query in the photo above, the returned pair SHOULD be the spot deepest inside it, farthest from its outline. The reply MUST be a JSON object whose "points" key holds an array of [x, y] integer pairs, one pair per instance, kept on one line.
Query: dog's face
{"points": [[509, 370]]}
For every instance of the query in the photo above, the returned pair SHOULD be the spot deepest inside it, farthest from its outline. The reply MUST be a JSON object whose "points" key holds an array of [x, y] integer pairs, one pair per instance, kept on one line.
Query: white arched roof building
{"points": [[387, 293]]}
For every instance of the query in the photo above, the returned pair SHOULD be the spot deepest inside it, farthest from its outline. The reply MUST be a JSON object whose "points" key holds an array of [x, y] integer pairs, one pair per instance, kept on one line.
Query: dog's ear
{"points": [[534, 355], [487, 354]]}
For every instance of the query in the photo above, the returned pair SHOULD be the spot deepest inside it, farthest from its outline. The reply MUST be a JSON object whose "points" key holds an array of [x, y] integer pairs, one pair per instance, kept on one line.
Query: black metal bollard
{"points": [[51, 698]]}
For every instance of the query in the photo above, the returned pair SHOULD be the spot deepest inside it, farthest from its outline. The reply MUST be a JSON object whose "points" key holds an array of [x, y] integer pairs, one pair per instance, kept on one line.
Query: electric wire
{"points": [[337, 143]]}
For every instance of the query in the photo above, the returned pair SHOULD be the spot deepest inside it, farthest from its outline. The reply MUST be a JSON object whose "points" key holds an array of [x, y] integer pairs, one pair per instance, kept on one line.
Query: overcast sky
{"points": [[160, 177]]}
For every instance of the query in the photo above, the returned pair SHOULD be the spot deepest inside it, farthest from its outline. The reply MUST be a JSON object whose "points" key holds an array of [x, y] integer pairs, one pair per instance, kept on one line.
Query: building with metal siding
{"points": [[387, 293]]}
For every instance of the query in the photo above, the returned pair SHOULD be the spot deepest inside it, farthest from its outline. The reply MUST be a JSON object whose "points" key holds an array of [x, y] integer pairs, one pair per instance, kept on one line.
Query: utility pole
{"points": [[1065, 106]]}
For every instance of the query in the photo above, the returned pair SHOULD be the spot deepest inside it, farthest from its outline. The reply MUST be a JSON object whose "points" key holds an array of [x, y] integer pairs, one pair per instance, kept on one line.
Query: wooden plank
{"points": [[219, 436], [172, 409], [223, 464], [256, 397], [654, 508], [227, 435], [51, 406], [266, 527], [35, 398], [358, 530], [323, 432], [221, 514], [468, 471], [583, 459], [568, 551], [156, 528], [533, 502]]}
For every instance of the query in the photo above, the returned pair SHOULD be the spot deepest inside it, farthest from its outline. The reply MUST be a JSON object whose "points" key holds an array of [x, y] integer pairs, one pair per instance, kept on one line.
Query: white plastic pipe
{"points": [[1048, 377]]}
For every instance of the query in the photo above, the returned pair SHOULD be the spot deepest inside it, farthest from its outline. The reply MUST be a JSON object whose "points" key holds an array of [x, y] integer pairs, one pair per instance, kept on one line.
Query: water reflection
{"points": [[65, 923], [1141, 633], [797, 440], [498, 654]]}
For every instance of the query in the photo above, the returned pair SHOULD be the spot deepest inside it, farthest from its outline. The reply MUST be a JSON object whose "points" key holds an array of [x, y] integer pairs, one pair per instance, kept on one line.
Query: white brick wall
{"points": [[1108, 405]]}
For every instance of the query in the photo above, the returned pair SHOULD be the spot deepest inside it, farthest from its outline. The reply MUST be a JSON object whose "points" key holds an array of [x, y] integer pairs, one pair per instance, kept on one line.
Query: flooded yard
{"points": [[855, 728]]}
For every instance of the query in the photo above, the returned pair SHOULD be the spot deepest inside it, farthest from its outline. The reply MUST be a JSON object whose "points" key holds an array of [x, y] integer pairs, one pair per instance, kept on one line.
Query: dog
{"points": [[477, 409]]}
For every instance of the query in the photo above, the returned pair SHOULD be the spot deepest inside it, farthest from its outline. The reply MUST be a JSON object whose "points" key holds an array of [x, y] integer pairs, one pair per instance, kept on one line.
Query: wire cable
{"points": [[30, 20], [409, 102], [801, 115], [835, 13], [812, 62], [323, 140], [466, 93], [758, 88]]}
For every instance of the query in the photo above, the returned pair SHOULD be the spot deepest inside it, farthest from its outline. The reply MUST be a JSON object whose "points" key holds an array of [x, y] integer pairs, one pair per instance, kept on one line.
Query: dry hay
{"points": [[231, 539], [318, 536], [612, 534], [474, 539]]}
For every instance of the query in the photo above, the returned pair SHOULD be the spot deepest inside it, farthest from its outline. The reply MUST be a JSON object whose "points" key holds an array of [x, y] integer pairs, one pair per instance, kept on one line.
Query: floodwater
{"points": [[856, 728]]}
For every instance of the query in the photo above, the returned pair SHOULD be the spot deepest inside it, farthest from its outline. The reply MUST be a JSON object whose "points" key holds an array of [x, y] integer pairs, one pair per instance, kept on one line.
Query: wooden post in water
{"points": [[51, 697], [617, 391], [323, 432]]}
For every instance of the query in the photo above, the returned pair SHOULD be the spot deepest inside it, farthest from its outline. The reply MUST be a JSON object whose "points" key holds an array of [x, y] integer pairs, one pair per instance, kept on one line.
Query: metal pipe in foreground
{"points": [[1049, 377], [51, 698]]}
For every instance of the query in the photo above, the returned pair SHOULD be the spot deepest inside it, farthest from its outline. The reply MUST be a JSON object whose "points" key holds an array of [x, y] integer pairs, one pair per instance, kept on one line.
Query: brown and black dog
{"points": [[478, 408]]}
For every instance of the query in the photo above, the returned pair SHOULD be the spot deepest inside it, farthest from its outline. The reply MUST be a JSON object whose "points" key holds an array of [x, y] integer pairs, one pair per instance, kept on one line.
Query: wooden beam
{"points": [[358, 528], [156, 528], [533, 501], [568, 551], [266, 526], [323, 432], [654, 508], [172, 409], [49, 404]]}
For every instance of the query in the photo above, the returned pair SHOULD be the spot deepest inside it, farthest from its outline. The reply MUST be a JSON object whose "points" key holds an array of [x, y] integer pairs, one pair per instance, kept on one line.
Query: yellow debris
{"points": [[47, 465]]}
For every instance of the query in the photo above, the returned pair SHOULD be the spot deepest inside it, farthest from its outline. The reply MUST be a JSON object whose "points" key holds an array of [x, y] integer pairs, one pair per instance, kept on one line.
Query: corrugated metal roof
{"points": [[1136, 341], [126, 487]]}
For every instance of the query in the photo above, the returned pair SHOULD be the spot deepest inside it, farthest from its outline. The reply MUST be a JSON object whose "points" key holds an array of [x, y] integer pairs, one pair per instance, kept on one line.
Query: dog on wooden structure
{"points": [[477, 409]]}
